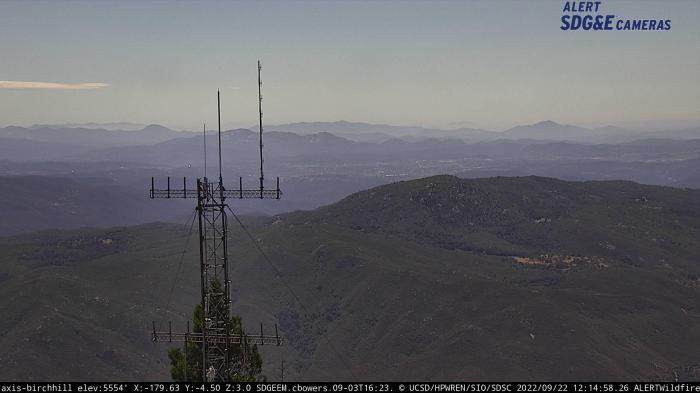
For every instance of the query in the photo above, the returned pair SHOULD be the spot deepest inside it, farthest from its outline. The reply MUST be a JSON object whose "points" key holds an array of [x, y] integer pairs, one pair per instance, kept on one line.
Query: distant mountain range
{"points": [[155, 143], [85, 135], [545, 130], [376, 132], [240, 148], [119, 126], [49, 143], [89, 137], [315, 168]]}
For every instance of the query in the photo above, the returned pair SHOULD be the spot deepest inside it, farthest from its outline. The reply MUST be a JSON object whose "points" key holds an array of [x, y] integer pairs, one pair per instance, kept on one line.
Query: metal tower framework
{"points": [[216, 337]]}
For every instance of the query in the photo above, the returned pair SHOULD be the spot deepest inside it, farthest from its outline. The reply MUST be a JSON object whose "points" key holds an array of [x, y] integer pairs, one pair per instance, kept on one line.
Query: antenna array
{"points": [[215, 336]]}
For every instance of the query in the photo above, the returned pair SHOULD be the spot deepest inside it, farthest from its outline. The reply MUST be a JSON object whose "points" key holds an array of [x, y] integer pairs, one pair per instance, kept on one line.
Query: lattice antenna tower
{"points": [[216, 337]]}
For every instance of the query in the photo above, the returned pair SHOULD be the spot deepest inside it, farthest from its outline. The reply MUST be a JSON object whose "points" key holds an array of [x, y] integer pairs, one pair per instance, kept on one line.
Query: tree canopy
{"points": [[245, 363]]}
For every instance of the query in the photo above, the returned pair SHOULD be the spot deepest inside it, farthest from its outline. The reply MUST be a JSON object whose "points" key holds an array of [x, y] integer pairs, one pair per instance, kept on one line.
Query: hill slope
{"points": [[438, 278], [30, 203]]}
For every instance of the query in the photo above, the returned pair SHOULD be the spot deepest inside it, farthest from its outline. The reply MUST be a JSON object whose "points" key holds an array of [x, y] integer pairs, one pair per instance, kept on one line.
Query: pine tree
{"points": [[241, 369]]}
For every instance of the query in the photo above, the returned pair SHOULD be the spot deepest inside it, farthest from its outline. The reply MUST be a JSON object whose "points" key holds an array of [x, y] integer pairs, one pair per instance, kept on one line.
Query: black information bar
{"points": [[352, 387]]}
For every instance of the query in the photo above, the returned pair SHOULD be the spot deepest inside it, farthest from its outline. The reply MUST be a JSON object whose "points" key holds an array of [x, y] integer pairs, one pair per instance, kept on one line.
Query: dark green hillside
{"points": [[31, 203], [525, 216], [515, 278], [438, 278], [76, 305]]}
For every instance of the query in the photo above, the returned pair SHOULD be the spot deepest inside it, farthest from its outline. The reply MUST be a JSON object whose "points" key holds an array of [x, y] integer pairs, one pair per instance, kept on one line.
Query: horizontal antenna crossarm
{"points": [[217, 338], [192, 194]]}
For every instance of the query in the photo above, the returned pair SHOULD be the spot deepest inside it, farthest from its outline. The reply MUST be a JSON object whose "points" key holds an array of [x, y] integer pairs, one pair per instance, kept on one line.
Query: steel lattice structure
{"points": [[216, 337]]}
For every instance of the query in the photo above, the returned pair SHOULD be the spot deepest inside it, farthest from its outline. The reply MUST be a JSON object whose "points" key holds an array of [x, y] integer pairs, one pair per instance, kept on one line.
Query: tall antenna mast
{"points": [[218, 112], [262, 176], [205, 149]]}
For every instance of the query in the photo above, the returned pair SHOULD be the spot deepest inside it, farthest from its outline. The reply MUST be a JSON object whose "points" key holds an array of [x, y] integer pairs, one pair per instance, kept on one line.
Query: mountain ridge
{"points": [[466, 302], [356, 131]]}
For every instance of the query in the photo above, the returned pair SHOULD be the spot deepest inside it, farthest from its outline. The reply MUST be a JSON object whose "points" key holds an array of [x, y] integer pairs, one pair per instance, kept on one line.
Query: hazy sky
{"points": [[490, 64]]}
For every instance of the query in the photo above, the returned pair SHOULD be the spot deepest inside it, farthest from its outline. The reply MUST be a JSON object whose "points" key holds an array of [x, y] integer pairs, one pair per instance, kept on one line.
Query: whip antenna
{"points": [[262, 176], [218, 113]]}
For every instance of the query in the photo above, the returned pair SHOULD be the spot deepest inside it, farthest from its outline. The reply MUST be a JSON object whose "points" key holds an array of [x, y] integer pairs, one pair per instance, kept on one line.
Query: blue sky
{"points": [[491, 64]]}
